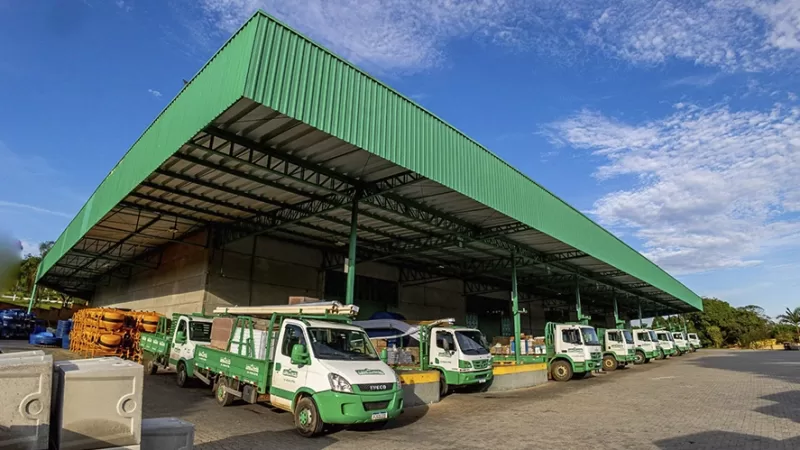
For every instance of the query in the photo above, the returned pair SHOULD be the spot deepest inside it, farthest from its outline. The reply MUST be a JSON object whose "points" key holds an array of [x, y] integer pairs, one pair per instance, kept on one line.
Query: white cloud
{"points": [[154, 93], [694, 80], [33, 208], [714, 187], [411, 35]]}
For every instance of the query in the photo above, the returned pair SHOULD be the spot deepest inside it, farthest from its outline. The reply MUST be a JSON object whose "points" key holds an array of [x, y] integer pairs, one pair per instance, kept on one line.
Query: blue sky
{"points": [[674, 124]]}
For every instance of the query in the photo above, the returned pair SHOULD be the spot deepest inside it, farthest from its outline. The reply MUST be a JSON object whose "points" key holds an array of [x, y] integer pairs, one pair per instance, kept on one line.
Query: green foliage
{"points": [[722, 325], [712, 337], [791, 317]]}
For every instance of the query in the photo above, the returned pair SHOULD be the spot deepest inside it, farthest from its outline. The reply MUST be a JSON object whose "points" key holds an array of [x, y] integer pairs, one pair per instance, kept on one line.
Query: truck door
{"points": [[615, 343], [288, 376], [177, 350], [443, 349]]}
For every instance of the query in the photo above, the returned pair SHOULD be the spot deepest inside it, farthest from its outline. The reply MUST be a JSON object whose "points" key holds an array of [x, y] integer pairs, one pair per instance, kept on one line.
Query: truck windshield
{"points": [[643, 336], [653, 336], [589, 336], [200, 331], [693, 336], [342, 344], [677, 336], [472, 342], [628, 336]]}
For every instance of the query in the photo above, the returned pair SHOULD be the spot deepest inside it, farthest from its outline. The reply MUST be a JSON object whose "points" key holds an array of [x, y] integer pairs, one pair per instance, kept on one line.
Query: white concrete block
{"points": [[25, 392], [167, 433], [98, 404]]}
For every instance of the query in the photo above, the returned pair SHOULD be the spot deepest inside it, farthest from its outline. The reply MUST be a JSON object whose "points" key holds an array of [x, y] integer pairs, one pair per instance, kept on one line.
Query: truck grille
{"points": [[372, 406], [480, 364], [596, 355], [375, 387]]}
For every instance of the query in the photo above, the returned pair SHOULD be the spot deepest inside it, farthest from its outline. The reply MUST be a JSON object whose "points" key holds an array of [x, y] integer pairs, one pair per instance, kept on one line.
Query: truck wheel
{"points": [[444, 388], [224, 398], [609, 363], [182, 377], [640, 358], [306, 418], [561, 370], [646, 360], [678, 352], [150, 366], [660, 354]]}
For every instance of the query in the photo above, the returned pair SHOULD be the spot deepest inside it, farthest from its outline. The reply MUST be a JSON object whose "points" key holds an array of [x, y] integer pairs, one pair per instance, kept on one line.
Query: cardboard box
{"points": [[221, 332]]}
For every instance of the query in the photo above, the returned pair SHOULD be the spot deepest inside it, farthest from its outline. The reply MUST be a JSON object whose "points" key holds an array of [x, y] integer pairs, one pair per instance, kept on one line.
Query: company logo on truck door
{"points": [[289, 373], [252, 369], [369, 372]]}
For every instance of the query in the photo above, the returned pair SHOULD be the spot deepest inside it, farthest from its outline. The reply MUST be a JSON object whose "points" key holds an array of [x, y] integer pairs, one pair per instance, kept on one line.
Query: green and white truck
{"points": [[173, 343], [460, 354], [319, 367], [618, 348], [665, 343], [681, 343], [694, 341], [572, 350], [644, 347]]}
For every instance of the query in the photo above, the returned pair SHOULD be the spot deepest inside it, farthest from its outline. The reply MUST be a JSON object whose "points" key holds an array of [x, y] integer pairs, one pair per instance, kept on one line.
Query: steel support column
{"points": [[641, 323], [616, 313], [35, 286], [515, 312], [351, 254]]}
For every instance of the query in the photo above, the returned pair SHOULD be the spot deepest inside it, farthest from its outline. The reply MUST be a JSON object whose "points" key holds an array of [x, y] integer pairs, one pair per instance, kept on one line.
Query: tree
{"points": [[791, 317], [714, 335]]}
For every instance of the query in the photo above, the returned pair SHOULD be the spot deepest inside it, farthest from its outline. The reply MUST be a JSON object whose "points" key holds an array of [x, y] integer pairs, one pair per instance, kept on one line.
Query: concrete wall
{"points": [[432, 301], [178, 285], [262, 271]]}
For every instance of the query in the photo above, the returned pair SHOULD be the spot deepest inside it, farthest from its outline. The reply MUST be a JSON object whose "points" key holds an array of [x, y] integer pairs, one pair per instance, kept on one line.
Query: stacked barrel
{"points": [[110, 332]]}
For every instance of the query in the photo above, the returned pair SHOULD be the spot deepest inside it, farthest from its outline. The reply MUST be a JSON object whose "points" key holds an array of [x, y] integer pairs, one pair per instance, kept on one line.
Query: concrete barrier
{"points": [[518, 377], [419, 388]]}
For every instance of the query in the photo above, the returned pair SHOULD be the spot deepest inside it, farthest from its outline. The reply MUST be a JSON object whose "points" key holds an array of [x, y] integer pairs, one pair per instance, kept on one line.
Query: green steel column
{"points": [[351, 254], [35, 286], [515, 311], [641, 324], [578, 309], [616, 313], [685, 330]]}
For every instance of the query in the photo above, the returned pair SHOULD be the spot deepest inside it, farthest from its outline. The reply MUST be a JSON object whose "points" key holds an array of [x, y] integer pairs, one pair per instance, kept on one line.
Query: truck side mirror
{"points": [[300, 355], [180, 337]]}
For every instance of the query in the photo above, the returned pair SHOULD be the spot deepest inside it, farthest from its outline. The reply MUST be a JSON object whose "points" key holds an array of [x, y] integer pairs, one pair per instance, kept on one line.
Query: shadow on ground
{"points": [[786, 405], [778, 364], [724, 440]]}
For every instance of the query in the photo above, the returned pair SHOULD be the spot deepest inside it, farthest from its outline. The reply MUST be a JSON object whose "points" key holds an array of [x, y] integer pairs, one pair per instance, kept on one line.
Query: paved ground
{"points": [[708, 400]]}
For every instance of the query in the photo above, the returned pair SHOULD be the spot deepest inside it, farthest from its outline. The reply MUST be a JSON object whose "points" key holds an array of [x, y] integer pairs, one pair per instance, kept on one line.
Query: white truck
{"points": [[173, 343], [573, 350], [460, 354], [694, 341], [665, 343], [681, 343], [618, 348], [644, 347]]}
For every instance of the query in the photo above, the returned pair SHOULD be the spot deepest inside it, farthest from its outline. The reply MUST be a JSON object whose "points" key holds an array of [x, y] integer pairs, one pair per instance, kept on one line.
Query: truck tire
{"points": [[150, 366], [641, 358], [444, 388], [224, 398], [609, 363], [182, 376], [561, 370], [660, 354], [678, 352], [306, 418]]}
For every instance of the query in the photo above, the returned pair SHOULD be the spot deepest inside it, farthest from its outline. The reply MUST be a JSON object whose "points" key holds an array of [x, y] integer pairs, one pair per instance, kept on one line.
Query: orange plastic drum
{"points": [[150, 323], [110, 341]]}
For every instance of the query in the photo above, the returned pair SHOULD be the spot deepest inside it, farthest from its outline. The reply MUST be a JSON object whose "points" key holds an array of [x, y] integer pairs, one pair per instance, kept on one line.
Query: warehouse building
{"points": [[281, 169]]}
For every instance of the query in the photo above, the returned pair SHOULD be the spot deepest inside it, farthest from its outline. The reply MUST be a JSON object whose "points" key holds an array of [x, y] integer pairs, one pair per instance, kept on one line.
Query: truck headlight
{"points": [[339, 384]]}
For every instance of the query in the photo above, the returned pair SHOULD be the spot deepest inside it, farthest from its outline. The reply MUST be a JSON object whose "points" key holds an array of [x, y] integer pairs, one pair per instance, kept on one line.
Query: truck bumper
{"points": [[588, 366], [651, 355], [481, 376], [669, 351], [347, 409]]}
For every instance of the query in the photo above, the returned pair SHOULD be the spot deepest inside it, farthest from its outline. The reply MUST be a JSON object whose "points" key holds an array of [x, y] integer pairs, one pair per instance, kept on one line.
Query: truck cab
{"points": [[665, 342], [573, 350], [681, 343], [694, 341], [461, 355], [644, 347], [618, 348]]}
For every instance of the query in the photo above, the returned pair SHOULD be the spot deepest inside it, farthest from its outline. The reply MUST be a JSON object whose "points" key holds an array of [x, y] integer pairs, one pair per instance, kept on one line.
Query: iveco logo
{"points": [[378, 387]]}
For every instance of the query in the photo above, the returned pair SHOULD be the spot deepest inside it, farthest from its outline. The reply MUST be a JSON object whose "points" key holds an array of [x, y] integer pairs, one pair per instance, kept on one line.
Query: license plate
{"points": [[482, 380], [380, 416]]}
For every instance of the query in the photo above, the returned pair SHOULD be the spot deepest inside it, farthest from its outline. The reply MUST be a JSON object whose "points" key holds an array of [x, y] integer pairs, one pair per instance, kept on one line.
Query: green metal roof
{"points": [[269, 64]]}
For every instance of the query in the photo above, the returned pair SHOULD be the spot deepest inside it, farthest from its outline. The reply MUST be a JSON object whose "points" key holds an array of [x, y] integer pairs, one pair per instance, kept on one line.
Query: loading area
{"points": [[281, 170]]}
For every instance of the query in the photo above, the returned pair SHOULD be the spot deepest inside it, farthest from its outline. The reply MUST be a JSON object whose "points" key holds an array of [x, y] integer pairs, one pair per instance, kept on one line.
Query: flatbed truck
{"points": [[573, 350], [681, 343], [459, 354], [665, 343], [694, 341], [645, 348], [173, 343], [618, 348], [319, 367]]}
